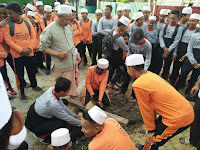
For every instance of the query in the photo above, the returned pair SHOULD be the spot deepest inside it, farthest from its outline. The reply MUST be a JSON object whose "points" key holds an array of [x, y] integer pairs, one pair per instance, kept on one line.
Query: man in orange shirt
{"points": [[20, 36], [155, 95], [40, 9], [29, 7], [95, 83], [44, 23], [86, 26], [107, 132]]}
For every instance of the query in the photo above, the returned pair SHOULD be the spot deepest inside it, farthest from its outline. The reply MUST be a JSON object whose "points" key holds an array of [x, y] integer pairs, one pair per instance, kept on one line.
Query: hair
{"points": [[15, 7], [176, 12], [60, 147], [2, 5], [62, 84], [125, 34], [120, 24], [183, 15], [5, 134], [109, 6], [87, 117], [139, 67]]}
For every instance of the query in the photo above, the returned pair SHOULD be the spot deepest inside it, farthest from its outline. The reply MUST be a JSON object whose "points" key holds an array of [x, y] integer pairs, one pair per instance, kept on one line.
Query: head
{"points": [[185, 17], [14, 11], [137, 36], [64, 147], [84, 15], [73, 15], [98, 16], [31, 19], [108, 11], [193, 23], [89, 127], [134, 71], [64, 19], [62, 86], [40, 8], [151, 24], [162, 17], [127, 12], [3, 13], [101, 71], [48, 14], [146, 14], [126, 37], [122, 28], [174, 17], [120, 13], [140, 21]]}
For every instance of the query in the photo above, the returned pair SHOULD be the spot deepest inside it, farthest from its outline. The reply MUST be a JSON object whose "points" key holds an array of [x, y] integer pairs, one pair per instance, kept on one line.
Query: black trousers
{"points": [[3, 71], [29, 63], [187, 67], [95, 50], [164, 134], [100, 38], [105, 100], [9, 59], [39, 57], [83, 51], [23, 146], [48, 61], [43, 127]]}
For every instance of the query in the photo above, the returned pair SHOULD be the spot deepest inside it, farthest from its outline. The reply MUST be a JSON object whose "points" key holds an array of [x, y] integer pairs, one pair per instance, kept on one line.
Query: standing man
{"points": [[120, 12], [20, 36], [57, 40], [105, 26], [155, 95], [127, 11], [185, 15], [40, 9], [146, 11]]}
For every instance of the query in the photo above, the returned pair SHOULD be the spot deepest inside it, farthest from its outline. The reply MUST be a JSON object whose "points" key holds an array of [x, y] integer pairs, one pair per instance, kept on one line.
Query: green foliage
{"points": [[123, 1]]}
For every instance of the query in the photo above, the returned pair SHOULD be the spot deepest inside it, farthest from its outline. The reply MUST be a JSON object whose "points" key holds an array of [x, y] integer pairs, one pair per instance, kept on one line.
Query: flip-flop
{"points": [[133, 100], [184, 141], [84, 147]]}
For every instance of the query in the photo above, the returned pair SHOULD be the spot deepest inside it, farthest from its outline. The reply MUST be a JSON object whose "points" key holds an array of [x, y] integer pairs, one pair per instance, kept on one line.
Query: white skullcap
{"points": [[30, 13], [97, 114], [64, 9], [148, 8], [137, 15], [163, 12], [134, 60], [60, 137], [56, 3], [152, 18], [16, 140], [169, 11], [187, 10], [124, 20], [84, 10], [73, 8], [103, 63], [48, 8], [38, 3], [195, 16], [98, 11], [127, 6], [30, 6], [5, 108], [120, 8]]}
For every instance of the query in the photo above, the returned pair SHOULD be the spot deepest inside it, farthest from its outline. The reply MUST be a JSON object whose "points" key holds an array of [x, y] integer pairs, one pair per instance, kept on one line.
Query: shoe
{"points": [[11, 91], [23, 97], [115, 86], [10, 97], [41, 140], [38, 88], [110, 85], [47, 71], [28, 85]]}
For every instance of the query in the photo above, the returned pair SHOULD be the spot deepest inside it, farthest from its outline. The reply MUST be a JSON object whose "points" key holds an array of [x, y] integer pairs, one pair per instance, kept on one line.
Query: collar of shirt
{"points": [[150, 29], [192, 29], [108, 18], [137, 25], [53, 92]]}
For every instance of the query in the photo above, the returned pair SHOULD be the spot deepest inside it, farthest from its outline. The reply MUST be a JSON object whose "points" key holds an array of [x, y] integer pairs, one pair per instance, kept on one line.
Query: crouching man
{"points": [[107, 132]]}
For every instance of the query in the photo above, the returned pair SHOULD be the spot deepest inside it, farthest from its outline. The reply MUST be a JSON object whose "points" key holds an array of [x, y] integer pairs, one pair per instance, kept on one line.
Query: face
{"points": [[186, 18], [140, 21], [173, 19], [146, 14], [3, 14], [126, 12], [193, 23], [63, 94], [101, 71], [98, 16], [89, 129], [162, 18], [151, 24], [84, 15], [64, 21], [73, 15], [41, 8], [12, 15], [119, 13], [32, 19], [107, 11], [123, 28], [47, 14], [126, 39]]}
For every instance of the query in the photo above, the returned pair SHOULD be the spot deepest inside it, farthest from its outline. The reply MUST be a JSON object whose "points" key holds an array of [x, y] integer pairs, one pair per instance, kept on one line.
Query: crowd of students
{"points": [[132, 48]]}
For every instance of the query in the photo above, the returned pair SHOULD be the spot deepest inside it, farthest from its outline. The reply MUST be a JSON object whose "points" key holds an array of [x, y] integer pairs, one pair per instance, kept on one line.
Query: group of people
{"points": [[132, 48]]}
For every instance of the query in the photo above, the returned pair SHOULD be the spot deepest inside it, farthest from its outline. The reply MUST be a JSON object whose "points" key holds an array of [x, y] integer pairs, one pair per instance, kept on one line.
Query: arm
{"points": [[190, 54], [122, 44], [114, 24], [88, 83], [42, 24], [130, 30], [3, 54], [176, 39], [148, 113], [32, 38], [100, 28], [67, 109], [94, 31], [161, 40], [102, 87], [175, 51], [148, 58]]}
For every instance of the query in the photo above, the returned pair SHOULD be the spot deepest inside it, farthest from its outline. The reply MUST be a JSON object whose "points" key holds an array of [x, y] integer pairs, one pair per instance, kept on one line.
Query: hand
{"points": [[182, 58], [77, 116], [78, 57], [165, 55], [4, 22], [95, 30], [145, 36], [100, 103], [36, 49], [174, 57], [166, 50], [149, 139], [194, 90], [62, 55], [26, 52], [195, 64]]}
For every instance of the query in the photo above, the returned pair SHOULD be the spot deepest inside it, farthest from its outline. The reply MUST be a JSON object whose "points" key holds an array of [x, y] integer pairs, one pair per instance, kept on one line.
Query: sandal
{"points": [[133, 100], [184, 141]]}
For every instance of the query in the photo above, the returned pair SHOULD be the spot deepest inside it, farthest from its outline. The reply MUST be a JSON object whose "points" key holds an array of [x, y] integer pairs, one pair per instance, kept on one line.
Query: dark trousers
{"points": [[29, 63], [187, 67], [23, 146], [3, 71], [39, 59], [105, 100], [83, 51], [48, 61], [95, 49], [163, 134], [118, 73], [100, 38], [9, 59], [195, 126]]}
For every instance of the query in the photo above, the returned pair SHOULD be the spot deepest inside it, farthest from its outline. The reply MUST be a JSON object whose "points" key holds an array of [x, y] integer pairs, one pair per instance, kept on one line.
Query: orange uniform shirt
{"points": [[38, 31], [3, 54], [154, 94], [77, 31], [94, 81], [42, 24], [87, 31], [112, 137], [21, 40], [39, 15]]}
